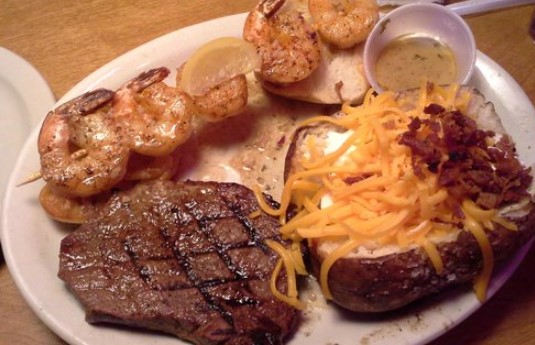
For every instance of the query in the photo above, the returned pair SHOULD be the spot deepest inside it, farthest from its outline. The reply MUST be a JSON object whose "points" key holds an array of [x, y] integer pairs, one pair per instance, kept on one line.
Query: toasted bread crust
{"points": [[339, 78]]}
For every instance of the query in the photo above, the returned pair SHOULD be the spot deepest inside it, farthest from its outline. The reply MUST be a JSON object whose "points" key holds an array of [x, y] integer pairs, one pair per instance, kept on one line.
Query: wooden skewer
{"points": [[30, 178], [82, 153]]}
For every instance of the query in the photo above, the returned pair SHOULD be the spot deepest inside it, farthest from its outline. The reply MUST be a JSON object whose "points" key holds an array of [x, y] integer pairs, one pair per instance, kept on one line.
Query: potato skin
{"points": [[371, 285], [297, 144]]}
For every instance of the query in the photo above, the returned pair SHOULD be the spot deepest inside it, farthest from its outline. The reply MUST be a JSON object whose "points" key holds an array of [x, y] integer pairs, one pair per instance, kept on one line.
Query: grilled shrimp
{"points": [[68, 209], [77, 210], [226, 99], [286, 43], [344, 23], [81, 152], [154, 117], [143, 168]]}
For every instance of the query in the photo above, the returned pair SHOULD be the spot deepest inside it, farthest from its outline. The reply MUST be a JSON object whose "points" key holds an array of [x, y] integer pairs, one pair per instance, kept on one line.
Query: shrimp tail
{"points": [[270, 7], [147, 78], [86, 103]]}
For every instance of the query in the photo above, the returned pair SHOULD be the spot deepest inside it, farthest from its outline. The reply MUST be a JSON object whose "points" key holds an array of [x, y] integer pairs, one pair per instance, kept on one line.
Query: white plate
{"points": [[31, 240], [25, 98]]}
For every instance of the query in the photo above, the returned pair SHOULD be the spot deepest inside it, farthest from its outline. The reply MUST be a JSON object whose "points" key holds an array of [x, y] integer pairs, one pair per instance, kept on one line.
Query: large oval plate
{"points": [[31, 240]]}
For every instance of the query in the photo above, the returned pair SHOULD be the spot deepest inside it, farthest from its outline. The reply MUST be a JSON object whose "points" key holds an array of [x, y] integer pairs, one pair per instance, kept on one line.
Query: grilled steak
{"points": [[186, 258]]}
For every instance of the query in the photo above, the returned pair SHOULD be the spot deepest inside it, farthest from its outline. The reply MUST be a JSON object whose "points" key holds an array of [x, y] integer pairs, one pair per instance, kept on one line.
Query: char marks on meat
{"points": [[186, 258], [469, 164]]}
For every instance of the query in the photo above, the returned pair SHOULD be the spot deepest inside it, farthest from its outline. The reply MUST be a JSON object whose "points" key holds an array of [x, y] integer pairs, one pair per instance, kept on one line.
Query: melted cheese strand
{"points": [[482, 280], [432, 253], [275, 291], [338, 253], [289, 265], [262, 202]]}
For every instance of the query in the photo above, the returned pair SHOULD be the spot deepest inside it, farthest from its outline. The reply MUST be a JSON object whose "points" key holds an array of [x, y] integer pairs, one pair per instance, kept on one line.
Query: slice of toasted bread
{"points": [[339, 78], [377, 279]]}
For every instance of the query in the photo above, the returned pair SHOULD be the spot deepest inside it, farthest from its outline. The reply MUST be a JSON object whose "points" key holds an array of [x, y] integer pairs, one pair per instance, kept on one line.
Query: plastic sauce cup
{"points": [[427, 20]]}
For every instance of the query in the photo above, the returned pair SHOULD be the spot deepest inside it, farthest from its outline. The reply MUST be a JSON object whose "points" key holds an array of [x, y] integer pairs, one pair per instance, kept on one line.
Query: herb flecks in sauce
{"points": [[408, 60]]}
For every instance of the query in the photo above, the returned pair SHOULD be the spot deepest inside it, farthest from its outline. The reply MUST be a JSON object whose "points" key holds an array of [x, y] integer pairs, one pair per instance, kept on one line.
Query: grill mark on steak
{"points": [[207, 250], [203, 285]]}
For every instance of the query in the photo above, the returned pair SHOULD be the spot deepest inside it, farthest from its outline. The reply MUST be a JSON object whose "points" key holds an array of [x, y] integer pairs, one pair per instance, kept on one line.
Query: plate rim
{"points": [[35, 94], [39, 84]]}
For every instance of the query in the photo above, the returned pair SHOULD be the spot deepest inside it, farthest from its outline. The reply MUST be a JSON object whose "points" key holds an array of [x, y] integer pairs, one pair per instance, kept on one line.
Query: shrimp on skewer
{"points": [[80, 150], [225, 99], [77, 210], [104, 140], [68, 209], [154, 117], [344, 23], [286, 43], [144, 168]]}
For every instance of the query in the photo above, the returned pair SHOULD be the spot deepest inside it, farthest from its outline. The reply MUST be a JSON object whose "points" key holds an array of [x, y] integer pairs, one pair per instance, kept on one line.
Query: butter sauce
{"points": [[408, 60]]}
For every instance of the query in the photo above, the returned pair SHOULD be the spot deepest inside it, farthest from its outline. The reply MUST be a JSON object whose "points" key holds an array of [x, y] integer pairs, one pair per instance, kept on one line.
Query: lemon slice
{"points": [[217, 61]]}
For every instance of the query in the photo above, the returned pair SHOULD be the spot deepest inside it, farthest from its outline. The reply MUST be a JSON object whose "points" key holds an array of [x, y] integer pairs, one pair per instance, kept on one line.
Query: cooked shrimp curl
{"points": [[224, 100], [154, 118], [144, 168], [221, 101], [77, 210], [85, 144], [344, 23], [81, 152], [72, 210], [286, 42]]}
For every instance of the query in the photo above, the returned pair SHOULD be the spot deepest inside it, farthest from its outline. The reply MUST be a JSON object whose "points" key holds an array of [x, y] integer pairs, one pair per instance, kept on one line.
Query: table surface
{"points": [[67, 40]]}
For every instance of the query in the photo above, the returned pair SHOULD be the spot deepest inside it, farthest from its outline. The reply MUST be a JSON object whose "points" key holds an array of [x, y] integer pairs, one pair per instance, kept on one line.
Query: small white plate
{"points": [[25, 98], [31, 240]]}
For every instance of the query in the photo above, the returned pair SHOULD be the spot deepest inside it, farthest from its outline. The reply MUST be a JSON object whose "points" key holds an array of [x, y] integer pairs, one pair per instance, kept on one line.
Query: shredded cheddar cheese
{"points": [[364, 193], [255, 214], [293, 263]]}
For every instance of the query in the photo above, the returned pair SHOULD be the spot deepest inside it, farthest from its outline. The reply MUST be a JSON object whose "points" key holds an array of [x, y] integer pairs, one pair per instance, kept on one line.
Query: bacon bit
{"points": [[390, 124], [491, 176], [354, 179], [458, 212], [280, 142], [434, 109], [429, 87], [426, 148], [338, 89]]}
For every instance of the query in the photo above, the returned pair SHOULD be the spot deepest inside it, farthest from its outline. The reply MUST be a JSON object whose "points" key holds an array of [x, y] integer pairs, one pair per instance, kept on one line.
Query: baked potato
{"points": [[377, 274]]}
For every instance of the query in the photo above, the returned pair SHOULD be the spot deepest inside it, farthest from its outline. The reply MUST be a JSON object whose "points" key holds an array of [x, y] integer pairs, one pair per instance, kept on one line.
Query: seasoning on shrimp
{"points": [[68, 209], [344, 23], [286, 42], [221, 101], [154, 118], [81, 152], [85, 144], [145, 168]]}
